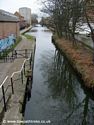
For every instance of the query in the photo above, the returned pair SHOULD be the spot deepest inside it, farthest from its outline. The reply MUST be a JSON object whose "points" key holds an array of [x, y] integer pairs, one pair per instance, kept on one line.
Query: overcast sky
{"points": [[14, 5]]}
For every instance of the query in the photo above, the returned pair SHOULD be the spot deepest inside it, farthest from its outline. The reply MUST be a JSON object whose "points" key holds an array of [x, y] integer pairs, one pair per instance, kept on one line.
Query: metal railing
{"points": [[5, 57], [3, 92], [22, 71]]}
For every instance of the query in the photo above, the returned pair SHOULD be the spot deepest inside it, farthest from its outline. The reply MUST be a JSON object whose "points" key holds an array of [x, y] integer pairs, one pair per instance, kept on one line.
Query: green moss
{"points": [[28, 73]]}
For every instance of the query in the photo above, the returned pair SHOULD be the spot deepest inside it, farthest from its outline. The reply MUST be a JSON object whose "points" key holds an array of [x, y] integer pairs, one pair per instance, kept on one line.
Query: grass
{"points": [[81, 58], [17, 42], [29, 37], [7, 51]]}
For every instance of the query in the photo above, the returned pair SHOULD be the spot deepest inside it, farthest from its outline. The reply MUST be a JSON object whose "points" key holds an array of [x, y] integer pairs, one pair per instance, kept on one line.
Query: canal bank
{"points": [[80, 58], [25, 30], [15, 85]]}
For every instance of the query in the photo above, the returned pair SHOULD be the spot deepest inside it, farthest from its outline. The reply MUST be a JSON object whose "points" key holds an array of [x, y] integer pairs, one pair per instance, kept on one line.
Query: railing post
{"points": [[12, 56], [4, 98], [12, 85], [4, 58], [30, 62], [31, 57], [22, 76], [24, 68], [15, 54], [25, 53]]}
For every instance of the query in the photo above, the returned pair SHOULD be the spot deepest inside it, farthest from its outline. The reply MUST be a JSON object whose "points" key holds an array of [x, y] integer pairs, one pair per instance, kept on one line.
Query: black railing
{"points": [[22, 73], [5, 57], [3, 92]]}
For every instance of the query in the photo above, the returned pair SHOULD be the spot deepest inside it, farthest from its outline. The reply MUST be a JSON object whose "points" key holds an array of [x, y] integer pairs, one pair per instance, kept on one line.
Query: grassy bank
{"points": [[17, 42], [29, 37], [80, 58]]}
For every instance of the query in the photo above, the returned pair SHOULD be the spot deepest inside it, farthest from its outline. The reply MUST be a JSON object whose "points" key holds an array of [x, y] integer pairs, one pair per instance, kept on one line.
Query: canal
{"points": [[57, 95]]}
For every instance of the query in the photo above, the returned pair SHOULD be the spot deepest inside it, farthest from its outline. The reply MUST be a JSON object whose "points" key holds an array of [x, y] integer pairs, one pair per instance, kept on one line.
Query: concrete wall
{"points": [[26, 13]]}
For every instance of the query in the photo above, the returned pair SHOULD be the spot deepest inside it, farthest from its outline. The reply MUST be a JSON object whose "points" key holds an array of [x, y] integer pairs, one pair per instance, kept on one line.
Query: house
{"points": [[9, 29], [21, 18], [22, 22]]}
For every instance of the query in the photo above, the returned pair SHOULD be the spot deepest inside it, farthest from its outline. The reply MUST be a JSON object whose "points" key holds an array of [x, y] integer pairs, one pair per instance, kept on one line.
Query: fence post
{"points": [[4, 97], [22, 76], [12, 85], [25, 53], [24, 68], [31, 57], [15, 54], [30, 63], [4, 58], [12, 56]]}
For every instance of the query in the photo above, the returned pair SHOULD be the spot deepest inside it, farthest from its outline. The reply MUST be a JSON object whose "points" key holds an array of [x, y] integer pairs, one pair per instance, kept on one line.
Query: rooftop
{"points": [[18, 14], [6, 16]]}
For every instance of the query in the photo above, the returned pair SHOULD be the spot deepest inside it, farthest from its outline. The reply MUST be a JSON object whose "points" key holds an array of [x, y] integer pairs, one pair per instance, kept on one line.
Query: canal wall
{"points": [[25, 30], [19, 74], [80, 58]]}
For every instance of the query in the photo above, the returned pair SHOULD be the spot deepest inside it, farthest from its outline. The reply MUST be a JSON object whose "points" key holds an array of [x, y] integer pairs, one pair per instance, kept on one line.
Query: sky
{"points": [[14, 5]]}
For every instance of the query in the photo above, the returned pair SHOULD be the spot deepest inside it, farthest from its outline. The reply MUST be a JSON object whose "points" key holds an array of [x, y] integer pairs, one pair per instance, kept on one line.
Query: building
{"points": [[21, 18], [26, 13], [22, 22], [9, 29]]}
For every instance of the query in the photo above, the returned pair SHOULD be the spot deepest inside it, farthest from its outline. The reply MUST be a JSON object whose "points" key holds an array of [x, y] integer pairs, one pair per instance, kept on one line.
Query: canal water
{"points": [[57, 95]]}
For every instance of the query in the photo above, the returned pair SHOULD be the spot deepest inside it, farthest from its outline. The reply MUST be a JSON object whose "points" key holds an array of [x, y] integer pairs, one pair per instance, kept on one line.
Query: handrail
{"points": [[15, 72], [3, 92], [21, 67], [4, 82], [20, 71]]}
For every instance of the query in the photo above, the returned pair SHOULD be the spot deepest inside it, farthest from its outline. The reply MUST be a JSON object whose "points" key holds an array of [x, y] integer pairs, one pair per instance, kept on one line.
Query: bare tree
{"points": [[64, 13], [34, 19], [89, 12]]}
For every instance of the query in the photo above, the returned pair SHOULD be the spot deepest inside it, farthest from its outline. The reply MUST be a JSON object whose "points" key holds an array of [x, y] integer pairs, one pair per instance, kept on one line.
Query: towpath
{"points": [[6, 69], [9, 67]]}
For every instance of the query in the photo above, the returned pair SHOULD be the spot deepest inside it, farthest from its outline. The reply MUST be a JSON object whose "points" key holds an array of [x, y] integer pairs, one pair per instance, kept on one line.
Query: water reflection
{"points": [[75, 105], [57, 94]]}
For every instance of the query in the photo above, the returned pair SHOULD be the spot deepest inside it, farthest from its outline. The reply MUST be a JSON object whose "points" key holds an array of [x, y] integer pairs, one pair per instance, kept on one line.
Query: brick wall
{"points": [[9, 28]]}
